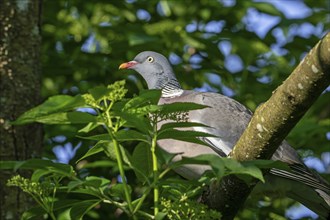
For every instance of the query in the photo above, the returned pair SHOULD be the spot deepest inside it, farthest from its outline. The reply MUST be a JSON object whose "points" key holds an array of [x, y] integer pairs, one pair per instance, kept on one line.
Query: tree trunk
{"points": [[20, 91]]}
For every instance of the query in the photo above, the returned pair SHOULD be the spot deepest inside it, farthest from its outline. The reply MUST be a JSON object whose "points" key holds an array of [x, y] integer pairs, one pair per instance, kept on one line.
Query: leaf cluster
{"points": [[60, 188]]}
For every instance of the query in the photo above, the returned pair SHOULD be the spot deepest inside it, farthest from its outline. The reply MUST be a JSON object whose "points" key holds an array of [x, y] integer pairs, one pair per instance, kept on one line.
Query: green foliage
{"points": [[187, 209], [51, 183], [115, 34], [53, 111], [35, 189]]}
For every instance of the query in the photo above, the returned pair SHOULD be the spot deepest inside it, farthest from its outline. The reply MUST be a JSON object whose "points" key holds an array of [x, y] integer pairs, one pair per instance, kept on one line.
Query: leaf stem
{"points": [[122, 174], [155, 170], [111, 130], [143, 197], [52, 202]]}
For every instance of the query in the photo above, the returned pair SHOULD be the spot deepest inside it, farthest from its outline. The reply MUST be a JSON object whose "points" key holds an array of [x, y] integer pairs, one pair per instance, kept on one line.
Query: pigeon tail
{"points": [[319, 203]]}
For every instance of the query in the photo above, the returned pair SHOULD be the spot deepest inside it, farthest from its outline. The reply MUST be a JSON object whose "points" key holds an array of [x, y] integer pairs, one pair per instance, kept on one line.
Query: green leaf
{"points": [[221, 166], [131, 135], [80, 209], [236, 167], [142, 161], [100, 163], [99, 92], [96, 182], [52, 171], [90, 181], [164, 156], [187, 136], [10, 165], [37, 212], [146, 97], [74, 184], [171, 125], [67, 118], [267, 164], [160, 216], [54, 104], [39, 173], [121, 135], [144, 110], [64, 215], [89, 127], [87, 191], [35, 164], [267, 8], [136, 121], [201, 159], [97, 148], [117, 190], [98, 137], [134, 111], [65, 203], [109, 149], [33, 213], [180, 107], [180, 135]]}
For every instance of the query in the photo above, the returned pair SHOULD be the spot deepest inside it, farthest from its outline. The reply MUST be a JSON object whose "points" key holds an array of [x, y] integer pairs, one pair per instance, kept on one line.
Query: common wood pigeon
{"points": [[226, 119]]}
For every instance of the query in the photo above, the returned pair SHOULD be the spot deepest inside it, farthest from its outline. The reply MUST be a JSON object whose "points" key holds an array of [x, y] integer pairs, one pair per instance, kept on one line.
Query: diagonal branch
{"points": [[271, 123]]}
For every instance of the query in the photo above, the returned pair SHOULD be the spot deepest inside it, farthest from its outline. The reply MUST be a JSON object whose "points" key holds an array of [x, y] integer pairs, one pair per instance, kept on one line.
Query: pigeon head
{"points": [[153, 67]]}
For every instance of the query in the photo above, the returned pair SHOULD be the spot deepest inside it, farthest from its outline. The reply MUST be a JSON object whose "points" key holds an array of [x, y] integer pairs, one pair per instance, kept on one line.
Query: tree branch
{"points": [[271, 123]]}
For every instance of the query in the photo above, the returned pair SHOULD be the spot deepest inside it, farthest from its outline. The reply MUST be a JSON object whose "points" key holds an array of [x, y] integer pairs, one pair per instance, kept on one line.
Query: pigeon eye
{"points": [[150, 59]]}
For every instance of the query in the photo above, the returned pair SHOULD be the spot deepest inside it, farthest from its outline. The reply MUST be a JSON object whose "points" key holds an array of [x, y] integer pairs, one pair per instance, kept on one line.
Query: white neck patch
{"points": [[171, 93]]}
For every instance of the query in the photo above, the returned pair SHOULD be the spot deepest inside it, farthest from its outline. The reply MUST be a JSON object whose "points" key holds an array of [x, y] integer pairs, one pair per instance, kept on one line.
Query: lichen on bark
{"points": [[20, 91]]}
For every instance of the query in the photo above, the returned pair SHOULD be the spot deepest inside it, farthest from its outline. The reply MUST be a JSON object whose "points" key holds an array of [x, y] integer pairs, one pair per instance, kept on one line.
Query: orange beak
{"points": [[127, 65]]}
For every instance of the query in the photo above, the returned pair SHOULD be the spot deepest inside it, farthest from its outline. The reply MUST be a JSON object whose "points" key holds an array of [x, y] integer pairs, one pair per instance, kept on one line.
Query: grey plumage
{"points": [[227, 119]]}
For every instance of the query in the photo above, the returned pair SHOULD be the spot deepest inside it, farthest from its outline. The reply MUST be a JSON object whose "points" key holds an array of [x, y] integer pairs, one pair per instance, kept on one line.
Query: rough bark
{"points": [[20, 91], [271, 123]]}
